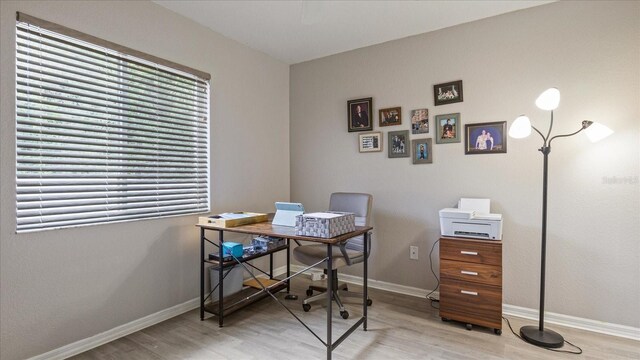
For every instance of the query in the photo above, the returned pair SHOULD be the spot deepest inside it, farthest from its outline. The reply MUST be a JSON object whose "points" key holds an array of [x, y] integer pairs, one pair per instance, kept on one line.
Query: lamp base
{"points": [[545, 338]]}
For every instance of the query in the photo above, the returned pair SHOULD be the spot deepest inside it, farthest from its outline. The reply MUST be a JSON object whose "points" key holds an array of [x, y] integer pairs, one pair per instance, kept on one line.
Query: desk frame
{"points": [[288, 233]]}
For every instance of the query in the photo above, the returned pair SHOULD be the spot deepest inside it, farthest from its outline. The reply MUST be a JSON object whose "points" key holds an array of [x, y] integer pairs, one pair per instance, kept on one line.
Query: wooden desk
{"points": [[288, 233]]}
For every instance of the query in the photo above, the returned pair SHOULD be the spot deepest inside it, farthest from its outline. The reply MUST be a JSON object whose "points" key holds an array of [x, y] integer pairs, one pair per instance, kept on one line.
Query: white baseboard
{"points": [[94, 341], [377, 284], [602, 327]]}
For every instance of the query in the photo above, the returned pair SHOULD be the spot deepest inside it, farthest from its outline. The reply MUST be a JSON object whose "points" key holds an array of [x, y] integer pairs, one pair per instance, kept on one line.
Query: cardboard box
{"points": [[239, 218]]}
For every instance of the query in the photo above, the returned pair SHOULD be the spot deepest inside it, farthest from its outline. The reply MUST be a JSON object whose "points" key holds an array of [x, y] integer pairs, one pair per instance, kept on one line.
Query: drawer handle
{"points": [[468, 252], [474, 293], [464, 272]]}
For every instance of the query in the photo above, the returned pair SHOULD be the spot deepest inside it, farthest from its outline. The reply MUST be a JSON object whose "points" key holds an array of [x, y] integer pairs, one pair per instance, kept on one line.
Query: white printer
{"points": [[471, 220]]}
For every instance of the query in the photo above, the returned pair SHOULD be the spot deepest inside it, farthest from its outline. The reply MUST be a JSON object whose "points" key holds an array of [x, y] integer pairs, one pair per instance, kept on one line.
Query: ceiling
{"points": [[297, 31]]}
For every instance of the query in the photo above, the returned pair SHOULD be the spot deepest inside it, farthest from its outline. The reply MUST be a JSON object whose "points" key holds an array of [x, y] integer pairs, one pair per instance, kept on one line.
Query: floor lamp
{"points": [[521, 128]]}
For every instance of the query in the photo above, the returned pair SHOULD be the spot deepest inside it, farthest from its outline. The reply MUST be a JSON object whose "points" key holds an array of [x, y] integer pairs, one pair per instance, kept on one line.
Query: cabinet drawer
{"points": [[476, 251], [474, 272], [473, 303]]}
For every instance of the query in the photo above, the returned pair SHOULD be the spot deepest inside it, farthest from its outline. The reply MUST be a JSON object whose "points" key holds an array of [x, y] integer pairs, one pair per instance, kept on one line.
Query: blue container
{"points": [[231, 248]]}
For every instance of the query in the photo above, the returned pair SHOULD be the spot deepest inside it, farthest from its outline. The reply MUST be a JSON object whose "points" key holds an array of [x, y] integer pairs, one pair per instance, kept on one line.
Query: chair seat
{"points": [[311, 254]]}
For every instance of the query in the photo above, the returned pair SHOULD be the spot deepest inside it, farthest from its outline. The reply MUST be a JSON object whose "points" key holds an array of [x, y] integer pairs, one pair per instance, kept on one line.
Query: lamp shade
{"points": [[521, 127], [549, 99], [596, 132]]}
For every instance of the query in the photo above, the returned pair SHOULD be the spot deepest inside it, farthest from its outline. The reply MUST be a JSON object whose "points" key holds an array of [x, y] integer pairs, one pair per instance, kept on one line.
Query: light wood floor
{"points": [[400, 327]]}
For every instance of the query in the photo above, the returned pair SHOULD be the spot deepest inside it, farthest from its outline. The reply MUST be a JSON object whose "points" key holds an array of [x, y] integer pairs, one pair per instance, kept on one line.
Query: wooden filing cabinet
{"points": [[471, 282]]}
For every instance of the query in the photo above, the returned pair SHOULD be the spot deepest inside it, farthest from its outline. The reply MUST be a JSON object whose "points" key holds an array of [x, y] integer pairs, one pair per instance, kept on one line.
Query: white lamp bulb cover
{"points": [[596, 132], [521, 127], [549, 99]]}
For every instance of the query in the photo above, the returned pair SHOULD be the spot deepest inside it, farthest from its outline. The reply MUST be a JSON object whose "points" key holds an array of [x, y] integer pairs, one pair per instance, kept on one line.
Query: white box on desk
{"points": [[325, 224]]}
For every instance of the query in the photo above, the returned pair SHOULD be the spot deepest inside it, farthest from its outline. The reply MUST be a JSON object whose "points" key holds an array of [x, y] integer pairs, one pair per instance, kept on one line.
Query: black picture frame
{"points": [[359, 114], [485, 138], [447, 93]]}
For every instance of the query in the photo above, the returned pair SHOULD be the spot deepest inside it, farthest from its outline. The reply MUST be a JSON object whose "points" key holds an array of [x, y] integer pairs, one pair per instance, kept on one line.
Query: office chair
{"points": [[360, 205]]}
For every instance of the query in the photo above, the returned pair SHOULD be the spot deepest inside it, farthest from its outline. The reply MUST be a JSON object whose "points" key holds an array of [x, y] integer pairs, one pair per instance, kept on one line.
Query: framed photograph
{"points": [[447, 93], [420, 121], [390, 116], [398, 144], [359, 112], [370, 142], [447, 128], [486, 138], [422, 151]]}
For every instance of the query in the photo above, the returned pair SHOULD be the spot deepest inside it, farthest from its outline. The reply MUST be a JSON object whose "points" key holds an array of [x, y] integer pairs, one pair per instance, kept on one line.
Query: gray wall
{"points": [[591, 52], [60, 286]]}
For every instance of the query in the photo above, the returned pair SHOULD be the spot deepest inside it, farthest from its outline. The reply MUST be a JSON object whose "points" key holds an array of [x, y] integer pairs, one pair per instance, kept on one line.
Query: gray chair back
{"points": [[357, 203]]}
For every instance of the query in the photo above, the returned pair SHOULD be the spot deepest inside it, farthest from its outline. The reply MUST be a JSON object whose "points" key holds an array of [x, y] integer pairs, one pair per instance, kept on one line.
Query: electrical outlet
{"points": [[413, 252]]}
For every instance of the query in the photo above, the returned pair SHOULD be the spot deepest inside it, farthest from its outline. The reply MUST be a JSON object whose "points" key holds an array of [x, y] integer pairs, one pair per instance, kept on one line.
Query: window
{"points": [[103, 135]]}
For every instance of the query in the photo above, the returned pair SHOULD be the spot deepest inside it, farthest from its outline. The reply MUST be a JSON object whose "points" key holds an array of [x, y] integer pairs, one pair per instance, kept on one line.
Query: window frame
{"points": [[197, 113]]}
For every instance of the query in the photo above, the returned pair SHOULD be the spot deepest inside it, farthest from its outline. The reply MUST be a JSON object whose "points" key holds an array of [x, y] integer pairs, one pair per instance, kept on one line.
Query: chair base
{"points": [[339, 291]]}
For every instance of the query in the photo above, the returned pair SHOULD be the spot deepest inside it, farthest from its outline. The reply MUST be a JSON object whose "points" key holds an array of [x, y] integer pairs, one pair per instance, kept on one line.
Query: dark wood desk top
{"points": [[266, 228]]}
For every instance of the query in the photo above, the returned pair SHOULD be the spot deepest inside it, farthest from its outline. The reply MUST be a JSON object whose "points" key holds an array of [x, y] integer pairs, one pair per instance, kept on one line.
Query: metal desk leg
{"points": [[365, 296], [201, 273], [271, 266], [329, 297], [288, 266], [220, 279]]}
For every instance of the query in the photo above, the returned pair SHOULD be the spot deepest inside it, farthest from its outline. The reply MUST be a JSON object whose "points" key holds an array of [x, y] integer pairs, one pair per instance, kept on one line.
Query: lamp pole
{"points": [[521, 128], [545, 152], [539, 335]]}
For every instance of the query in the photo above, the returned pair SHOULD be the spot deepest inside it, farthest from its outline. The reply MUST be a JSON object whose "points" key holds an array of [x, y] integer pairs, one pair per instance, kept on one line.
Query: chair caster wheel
{"points": [[309, 292], [444, 319], [497, 331], [306, 307], [344, 314], [469, 326], [369, 302]]}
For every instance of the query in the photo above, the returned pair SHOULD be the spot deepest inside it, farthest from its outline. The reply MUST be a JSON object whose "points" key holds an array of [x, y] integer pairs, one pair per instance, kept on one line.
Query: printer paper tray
{"points": [[472, 230]]}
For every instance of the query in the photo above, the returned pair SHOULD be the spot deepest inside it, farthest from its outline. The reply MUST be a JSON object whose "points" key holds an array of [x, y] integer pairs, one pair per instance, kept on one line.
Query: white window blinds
{"points": [[103, 136]]}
